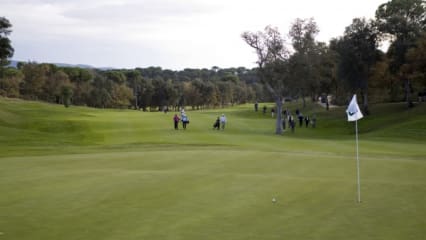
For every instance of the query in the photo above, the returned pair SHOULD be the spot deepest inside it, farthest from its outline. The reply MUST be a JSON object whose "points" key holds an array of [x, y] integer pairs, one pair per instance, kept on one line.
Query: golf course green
{"points": [[108, 174]]}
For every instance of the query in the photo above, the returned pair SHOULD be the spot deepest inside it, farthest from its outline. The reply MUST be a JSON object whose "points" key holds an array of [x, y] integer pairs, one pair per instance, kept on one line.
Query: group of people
{"points": [[287, 119], [302, 119], [219, 123], [183, 117]]}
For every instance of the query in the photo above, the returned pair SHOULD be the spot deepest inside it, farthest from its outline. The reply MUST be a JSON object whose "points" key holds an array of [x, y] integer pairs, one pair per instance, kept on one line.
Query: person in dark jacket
{"points": [[216, 124], [300, 119], [291, 123]]}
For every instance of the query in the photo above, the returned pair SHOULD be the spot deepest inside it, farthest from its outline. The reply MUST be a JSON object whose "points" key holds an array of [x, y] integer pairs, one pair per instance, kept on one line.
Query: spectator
{"points": [[314, 121], [307, 121], [185, 120], [176, 121], [291, 123], [222, 121], [300, 116]]}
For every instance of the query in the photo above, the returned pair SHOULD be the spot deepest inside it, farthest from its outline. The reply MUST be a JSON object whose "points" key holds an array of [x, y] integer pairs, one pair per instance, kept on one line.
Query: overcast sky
{"points": [[172, 34]]}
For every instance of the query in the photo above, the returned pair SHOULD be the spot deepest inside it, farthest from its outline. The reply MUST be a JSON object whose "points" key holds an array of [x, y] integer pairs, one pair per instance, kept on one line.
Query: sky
{"points": [[171, 34]]}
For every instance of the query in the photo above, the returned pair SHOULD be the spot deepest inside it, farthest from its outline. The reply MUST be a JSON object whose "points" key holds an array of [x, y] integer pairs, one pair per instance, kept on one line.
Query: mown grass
{"points": [[82, 173]]}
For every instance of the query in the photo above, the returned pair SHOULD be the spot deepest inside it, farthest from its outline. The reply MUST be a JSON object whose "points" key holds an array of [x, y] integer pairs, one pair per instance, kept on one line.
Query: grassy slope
{"points": [[82, 173]]}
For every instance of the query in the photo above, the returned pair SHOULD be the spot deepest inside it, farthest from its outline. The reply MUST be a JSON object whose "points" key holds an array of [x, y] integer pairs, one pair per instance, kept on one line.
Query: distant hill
{"points": [[14, 63], [73, 65]]}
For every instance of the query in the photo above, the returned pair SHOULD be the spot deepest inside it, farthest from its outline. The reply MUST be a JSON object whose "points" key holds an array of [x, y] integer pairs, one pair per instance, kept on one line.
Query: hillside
{"points": [[36, 126]]}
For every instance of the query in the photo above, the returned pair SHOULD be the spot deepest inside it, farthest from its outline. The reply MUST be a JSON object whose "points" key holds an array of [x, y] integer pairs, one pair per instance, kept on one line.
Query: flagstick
{"points": [[357, 163]]}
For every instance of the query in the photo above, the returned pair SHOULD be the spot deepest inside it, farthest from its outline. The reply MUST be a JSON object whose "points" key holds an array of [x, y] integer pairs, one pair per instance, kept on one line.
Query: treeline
{"points": [[142, 88], [293, 66], [352, 63]]}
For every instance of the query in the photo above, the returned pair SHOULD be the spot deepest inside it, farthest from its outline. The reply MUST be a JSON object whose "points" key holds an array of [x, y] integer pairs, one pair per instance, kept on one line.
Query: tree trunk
{"points": [[279, 125], [407, 86], [136, 100], [365, 102]]}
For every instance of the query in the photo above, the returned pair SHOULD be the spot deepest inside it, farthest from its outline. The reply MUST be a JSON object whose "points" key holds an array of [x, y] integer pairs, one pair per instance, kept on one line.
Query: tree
{"points": [[172, 94], [192, 93], [82, 79], [35, 78], [121, 95], [305, 62], [272, 53], [241, 93], [357, 51], [146, 93], [134, 81], [53, 88], [401, 21], [225, 92], [10, 81], [211, 94], [381, 84], [100, 95], [66, 93], [116, 76], [415, 68], [325, 62], [6, 49], [159, 96]]}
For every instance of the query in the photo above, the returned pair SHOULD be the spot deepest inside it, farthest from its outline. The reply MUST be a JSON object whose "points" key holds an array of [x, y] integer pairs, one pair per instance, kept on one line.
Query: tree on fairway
{"points": [[272, 55]]}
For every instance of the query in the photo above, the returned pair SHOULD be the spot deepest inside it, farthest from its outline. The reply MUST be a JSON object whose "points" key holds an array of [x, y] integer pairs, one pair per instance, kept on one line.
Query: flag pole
{"points": [[354, 114], [357, 163]]}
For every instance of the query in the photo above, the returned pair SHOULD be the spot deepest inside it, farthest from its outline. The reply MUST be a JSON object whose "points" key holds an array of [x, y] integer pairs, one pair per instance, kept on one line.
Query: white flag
{"points": [[353, 110]]}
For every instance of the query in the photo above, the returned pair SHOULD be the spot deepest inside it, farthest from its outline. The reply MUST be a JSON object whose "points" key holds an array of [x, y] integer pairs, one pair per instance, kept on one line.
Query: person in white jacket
{"points": [[223, 121]]}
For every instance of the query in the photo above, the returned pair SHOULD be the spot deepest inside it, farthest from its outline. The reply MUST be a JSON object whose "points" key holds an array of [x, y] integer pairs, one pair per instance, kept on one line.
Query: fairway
{"points": [[82, 173]]}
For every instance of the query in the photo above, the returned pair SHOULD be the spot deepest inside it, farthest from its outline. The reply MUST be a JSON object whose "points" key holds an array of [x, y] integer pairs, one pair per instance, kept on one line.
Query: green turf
{"points": [[82, 173]]}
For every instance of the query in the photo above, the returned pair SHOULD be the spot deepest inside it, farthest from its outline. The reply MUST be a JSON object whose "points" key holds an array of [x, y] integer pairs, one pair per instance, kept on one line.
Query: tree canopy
{"points": [[6, 49], [289, 66]]}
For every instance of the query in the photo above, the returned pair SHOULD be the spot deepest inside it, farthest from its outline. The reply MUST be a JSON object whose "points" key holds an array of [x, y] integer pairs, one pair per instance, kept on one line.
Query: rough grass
{"points": [[81, 173]]}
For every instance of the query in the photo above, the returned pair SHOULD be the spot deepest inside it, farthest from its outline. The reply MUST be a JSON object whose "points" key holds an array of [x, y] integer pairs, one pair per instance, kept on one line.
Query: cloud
{"points": [[168, 33], [142, 12]]}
